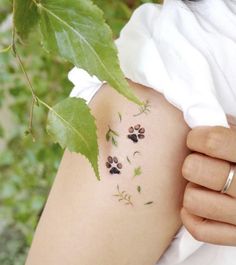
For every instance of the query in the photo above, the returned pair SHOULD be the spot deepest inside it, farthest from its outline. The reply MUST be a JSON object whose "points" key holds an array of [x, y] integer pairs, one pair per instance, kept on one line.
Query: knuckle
{"points": [[194, 229], [189, 198], [214, 140], [188, 166], [197, 233], [191, 169]]}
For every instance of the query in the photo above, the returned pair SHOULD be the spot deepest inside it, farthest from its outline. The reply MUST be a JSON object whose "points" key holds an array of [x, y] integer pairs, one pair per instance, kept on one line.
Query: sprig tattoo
{"points": [[112, 135], [123, 196], [145, 109]]}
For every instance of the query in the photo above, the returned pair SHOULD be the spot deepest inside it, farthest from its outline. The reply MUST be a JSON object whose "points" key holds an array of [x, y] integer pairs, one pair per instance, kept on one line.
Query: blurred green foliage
{"points": [[27, 168]]}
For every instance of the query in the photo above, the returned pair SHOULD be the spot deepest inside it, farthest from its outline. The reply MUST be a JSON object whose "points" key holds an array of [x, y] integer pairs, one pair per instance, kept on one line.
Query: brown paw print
{"points": [[114, 165], [136, 133]]}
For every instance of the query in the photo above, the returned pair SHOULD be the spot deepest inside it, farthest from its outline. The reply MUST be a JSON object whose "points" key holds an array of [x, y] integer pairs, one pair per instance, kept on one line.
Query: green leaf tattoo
{"points": [[147, 203], [120, 116], [71, 124], [127, 158], [137, 172], [111, 135], [84, 40], [139, 189]]}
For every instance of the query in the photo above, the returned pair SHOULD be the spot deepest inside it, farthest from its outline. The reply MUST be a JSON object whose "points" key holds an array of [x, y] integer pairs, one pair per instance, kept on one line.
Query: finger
{"points": [[209, 204], [209, 231], [214, 141], [208, 172]]}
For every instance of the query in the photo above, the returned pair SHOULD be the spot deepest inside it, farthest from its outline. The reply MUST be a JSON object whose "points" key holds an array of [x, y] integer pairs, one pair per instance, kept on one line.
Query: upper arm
{"points": [[84, 223]]}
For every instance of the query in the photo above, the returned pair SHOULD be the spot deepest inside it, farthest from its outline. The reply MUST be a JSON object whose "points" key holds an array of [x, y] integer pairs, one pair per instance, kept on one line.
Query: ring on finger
{"points": [[229, 178]]}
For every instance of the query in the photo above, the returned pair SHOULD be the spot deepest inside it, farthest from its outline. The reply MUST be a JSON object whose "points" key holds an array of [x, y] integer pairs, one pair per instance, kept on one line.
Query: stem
{"points": [[44, 103], [25, 73], [6, 49], [34, 97]]}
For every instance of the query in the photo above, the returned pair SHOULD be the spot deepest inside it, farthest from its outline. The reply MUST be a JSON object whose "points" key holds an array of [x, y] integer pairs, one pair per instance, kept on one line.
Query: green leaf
{"points": [[77, 31], [25, 17], [71, 124]]}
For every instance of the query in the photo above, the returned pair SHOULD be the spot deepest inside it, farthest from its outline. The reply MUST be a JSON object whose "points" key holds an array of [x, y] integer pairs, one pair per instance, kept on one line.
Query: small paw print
{"points": [[114, 165], [136, 133]]}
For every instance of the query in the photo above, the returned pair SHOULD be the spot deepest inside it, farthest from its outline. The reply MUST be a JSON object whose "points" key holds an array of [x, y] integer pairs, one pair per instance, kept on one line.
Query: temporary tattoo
{"points": [[135, 153], [120, 116], [112, 135], [114, 165], [146, 108], [136, 133], [147, 203], [128, 159], [139, 189], [123, 196], [137, 172]]}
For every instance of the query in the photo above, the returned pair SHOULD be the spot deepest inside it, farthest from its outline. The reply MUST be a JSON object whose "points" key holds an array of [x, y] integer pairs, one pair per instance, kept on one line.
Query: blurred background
{"points": [[27, 167]]}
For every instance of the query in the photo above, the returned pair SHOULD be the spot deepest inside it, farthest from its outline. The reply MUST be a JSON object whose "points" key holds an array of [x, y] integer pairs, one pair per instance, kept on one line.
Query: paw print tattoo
{"points": [[136, 133], [114, 165]]}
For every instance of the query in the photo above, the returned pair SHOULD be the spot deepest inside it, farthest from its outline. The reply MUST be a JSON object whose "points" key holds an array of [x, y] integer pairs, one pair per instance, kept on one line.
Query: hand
{"points": [[208, 214]]}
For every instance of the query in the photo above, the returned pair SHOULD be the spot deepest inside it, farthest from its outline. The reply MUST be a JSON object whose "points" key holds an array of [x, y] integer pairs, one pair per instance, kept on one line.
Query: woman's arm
{"points": [[83, 223]]}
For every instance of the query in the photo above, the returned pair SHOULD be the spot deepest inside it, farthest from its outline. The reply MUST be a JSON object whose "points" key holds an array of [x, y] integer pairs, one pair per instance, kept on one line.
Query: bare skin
{"points": [[83, 223], [209, 215]]}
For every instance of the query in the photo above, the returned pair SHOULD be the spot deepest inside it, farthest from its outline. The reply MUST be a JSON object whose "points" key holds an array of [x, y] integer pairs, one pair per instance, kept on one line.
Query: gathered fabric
{"points": [[187, 51]]}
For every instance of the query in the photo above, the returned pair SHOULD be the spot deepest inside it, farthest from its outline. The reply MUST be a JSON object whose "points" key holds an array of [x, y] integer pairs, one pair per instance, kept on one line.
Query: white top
{"points": [[187, 51]]}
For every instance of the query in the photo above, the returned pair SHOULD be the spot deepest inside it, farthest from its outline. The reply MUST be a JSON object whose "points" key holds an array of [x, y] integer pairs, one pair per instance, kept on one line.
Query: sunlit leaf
{"points": [[77, 31], [71, 124]]}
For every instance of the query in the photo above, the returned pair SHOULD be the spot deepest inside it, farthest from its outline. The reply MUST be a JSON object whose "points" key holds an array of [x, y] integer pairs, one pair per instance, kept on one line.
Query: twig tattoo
{"points": [[123, 196], [145, 109]]}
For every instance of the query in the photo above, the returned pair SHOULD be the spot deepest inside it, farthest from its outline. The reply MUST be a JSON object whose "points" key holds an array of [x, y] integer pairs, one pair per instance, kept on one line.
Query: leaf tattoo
{"points": [[112, 135], [137, 171], [139, 189], [147, 203]]}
